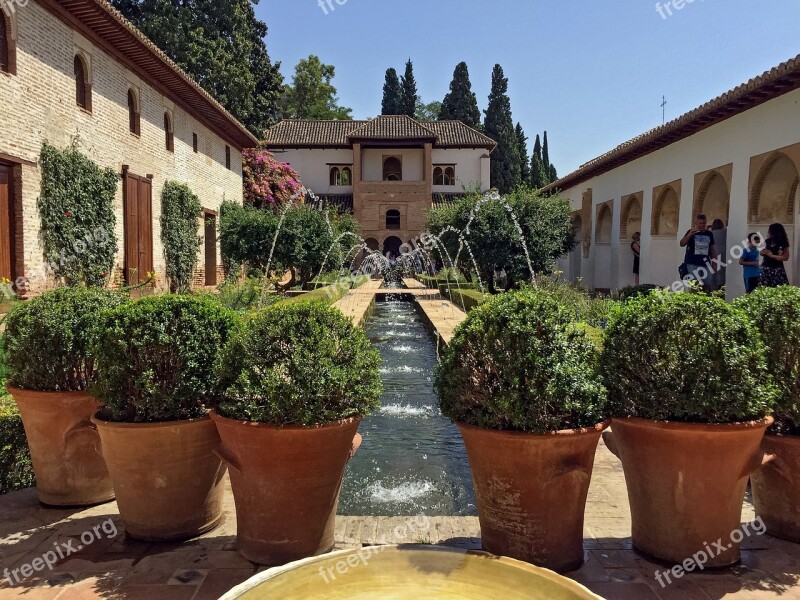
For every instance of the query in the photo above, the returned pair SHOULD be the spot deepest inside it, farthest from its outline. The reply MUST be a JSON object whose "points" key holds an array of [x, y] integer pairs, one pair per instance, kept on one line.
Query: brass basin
{"points": [[414, 572]]}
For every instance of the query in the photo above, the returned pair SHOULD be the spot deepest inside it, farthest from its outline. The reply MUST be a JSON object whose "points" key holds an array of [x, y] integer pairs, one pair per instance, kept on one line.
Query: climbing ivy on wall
{"points": [[76, 207], [180, 212]]}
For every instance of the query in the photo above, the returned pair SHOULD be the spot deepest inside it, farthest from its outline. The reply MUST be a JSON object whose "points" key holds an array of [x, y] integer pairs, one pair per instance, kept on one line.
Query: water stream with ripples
{"points": [[412, 460]]}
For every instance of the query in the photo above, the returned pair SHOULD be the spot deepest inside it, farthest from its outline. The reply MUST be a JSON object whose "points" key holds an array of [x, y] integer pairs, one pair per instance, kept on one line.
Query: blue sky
{"points": [[590, 72]]}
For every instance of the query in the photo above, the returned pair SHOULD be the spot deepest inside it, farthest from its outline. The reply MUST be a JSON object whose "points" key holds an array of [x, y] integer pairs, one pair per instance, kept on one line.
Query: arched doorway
{"points": [[392, 245], [630, 224], [576, 256], [392, 169], [667, 213]]}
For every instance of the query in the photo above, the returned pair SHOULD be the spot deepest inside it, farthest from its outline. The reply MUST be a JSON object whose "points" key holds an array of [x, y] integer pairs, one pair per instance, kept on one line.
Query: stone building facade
{"points": [[75, 72], [389, 170], [736, 159]]}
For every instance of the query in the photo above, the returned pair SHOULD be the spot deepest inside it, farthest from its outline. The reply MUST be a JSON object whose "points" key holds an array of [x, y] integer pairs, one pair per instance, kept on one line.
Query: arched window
{"points": [[605, 221], [346, 177], [392, 169], [392, 219], [6, 45], [335, 176], [83, 91], [134, 117], [169, 133], [666, 213], [438, 176], [450, 176]]}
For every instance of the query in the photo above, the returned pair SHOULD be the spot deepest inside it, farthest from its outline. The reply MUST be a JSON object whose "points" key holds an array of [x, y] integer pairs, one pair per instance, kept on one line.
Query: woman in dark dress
{"points": [[773, 270], [636, 248]]}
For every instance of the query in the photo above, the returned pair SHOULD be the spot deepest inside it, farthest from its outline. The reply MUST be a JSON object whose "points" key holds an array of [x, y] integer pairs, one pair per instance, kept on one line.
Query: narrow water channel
{"points": [[412, 460]]}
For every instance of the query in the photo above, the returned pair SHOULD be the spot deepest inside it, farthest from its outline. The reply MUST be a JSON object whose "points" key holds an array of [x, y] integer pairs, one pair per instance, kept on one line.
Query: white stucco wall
{"points": [[411, 158], [763, 129], [313, 166], [468, 168]]}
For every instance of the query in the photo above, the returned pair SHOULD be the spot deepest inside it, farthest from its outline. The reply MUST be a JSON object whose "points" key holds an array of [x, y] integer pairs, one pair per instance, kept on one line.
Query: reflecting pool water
{"points": [[412, 460]]}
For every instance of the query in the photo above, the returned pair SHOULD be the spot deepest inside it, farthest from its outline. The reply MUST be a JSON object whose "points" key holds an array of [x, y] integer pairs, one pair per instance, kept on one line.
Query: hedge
{"points": [[327, 295], [467, 299], [16, 471]]}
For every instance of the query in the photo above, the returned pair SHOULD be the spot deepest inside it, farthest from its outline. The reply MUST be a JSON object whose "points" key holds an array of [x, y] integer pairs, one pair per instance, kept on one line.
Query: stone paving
{"points": [[205, 568]]}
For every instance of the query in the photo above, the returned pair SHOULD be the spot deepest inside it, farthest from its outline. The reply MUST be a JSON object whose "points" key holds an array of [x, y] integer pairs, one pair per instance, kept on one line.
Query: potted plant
{"points": [[690, 395], [47, 341], [296, 380], [776, 488], [155, 373], [520, 381]]}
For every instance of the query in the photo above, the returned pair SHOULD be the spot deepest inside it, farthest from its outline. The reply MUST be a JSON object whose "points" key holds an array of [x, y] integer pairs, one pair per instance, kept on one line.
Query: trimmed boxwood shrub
{"points": [[299, 364], [631, 291], [467, 299], [47, 339], [16, 471], [156, 358], [776, 314], [685, 357], [518, 363]]}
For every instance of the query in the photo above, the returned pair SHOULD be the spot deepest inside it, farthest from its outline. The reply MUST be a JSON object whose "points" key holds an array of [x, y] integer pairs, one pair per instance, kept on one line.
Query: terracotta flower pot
{"points": [[64, 447], [169, 482], [776, 487], [531, 492], [286, 484], [686, 484]]}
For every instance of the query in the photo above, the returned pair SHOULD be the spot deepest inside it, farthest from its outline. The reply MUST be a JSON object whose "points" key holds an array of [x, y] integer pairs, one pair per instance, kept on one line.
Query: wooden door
{"points": [[138, 228], [6, 223], [210, 237]]}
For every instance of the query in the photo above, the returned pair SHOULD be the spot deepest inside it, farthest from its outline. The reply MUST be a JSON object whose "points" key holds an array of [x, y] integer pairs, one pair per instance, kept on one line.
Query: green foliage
{"points": [[524, 161], [467, 299], [539, 177], [631, 291], [546, 158], [460, 103], [499, 125], [408, 92], [48, 339], [180, 213], [392, 94], [246, 235], [221, 45], [243, 296], [546, 224], [328, 295], [156, 356], [76, 206], [299, 364], [16, 471], [685, 357], [518, 364], [775, 312], [427, 111], [587, 308], [311, 94]]}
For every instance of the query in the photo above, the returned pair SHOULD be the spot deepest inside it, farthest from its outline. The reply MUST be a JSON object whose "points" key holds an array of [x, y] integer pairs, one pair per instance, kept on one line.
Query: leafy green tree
{"points": [[494, 239], [392, 94], [460, 103], [524, 161], [221, 45], [311, 94], [499, 125], [428, 112], [409, 95], [539, 178]]}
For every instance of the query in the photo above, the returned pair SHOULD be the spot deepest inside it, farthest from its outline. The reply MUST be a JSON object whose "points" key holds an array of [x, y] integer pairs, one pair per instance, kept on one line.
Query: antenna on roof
{"points": [[663, 110]]}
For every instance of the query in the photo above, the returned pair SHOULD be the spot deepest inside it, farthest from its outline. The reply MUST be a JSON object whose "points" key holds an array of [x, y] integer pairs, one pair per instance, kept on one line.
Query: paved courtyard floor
{"points": [[204, 568]]}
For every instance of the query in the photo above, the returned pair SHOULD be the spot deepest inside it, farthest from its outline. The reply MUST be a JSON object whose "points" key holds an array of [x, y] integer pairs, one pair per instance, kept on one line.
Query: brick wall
{"points": [[38, 104]]}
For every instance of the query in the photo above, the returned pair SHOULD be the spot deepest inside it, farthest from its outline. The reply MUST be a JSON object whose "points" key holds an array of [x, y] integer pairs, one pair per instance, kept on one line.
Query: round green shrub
{"points": [[631, 291], [685, 357], [156, 358], [518, 363], [48, 338], [301, 364], [776, 314], [16, 470]]}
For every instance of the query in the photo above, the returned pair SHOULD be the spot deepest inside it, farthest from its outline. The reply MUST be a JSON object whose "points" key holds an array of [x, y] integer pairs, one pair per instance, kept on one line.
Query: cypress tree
{"points": [[553, 174], [539, 178], [546, 156], [461, 104], [524, 161], [409, 96], [391, 94], [499, 125]]}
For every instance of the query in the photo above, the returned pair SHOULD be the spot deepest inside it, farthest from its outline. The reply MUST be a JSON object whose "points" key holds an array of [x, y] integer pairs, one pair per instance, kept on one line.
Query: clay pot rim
{"points": [[699, 427], [561, 434], [100, 422], [215, 416], [16, 391]]}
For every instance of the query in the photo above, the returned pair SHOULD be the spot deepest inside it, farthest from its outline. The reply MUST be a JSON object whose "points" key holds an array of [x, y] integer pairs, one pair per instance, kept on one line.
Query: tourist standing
{"points": [[773, 269], [720, 234], [750, 260], [636, 248], [700, 249]]}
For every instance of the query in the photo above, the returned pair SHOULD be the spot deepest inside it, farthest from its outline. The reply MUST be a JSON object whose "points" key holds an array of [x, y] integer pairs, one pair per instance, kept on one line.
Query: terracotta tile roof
{"points": [[104, 25], [341, 134], [774, 83]]}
